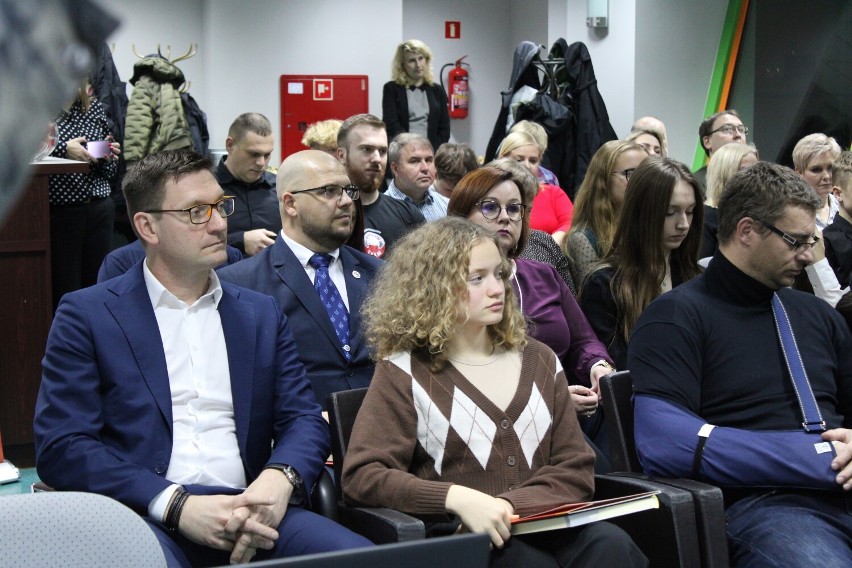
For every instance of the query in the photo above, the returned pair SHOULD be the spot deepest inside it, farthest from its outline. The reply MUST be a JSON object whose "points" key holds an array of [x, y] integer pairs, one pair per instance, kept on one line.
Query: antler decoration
{"points": [[193, 49]]}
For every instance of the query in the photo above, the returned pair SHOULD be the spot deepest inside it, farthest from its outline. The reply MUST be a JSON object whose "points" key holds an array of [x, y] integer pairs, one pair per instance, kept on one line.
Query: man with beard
{"points": [[363, 148], [318, 281], [744, 382]]}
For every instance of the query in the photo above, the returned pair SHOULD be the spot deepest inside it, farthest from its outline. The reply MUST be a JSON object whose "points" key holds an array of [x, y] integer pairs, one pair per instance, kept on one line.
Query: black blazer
{"points": [[395, 112]]}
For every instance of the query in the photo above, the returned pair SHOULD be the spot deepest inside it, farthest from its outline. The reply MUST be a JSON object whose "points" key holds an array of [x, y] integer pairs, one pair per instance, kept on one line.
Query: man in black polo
{"points": [[242, 173]]}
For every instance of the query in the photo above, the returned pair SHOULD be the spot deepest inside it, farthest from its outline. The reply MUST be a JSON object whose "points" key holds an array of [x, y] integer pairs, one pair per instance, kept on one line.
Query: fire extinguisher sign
{"points": [[323, 89], [452, 30]]}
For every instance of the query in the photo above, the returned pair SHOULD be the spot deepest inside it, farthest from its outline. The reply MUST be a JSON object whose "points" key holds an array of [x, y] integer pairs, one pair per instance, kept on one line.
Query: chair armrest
{"points": [[709, 505], [668, 536], [324, 496], [381, 525]]}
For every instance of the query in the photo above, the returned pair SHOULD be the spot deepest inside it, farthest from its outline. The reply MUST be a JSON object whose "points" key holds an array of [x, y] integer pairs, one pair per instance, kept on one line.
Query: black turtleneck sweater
{"points": [[710, 346]]}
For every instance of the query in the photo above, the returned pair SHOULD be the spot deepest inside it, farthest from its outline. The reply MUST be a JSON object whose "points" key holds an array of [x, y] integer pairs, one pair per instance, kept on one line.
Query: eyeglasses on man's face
{"points": [[332, 192], [490, 209], [626, 173], [797, 246], [201, 214], [729, 129]]}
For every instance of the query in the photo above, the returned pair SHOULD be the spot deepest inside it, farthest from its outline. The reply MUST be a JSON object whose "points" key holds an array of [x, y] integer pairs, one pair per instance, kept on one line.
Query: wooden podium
{"points": [[25, 301]]}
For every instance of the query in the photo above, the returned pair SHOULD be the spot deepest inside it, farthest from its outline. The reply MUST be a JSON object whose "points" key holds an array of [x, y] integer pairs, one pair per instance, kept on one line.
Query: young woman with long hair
{"points": [[655, 247], [495, 199], [599, 202]]}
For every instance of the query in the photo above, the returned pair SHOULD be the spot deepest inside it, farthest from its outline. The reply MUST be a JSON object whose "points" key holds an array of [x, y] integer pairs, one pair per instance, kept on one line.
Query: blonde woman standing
{"points": [[412, 101]]}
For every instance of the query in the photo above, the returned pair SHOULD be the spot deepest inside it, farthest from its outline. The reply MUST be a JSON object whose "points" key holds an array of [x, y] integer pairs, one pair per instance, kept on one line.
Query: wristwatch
{"points": [[604, 363], [298, 496]]}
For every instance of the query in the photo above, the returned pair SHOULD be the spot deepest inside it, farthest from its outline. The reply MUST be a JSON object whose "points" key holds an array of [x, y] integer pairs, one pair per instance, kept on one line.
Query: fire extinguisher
{"points": [[458, 91]]}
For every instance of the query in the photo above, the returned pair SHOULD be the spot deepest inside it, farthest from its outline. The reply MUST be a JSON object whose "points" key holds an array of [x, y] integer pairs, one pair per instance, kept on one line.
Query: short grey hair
{"points": [[400, 141]]}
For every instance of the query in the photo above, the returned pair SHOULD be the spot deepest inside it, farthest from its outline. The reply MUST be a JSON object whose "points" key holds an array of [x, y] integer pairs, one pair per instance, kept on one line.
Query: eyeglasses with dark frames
{"points": [[201, 214], [490, 209], [797, 246], [332, 192], [626, 173], [730, 128]]}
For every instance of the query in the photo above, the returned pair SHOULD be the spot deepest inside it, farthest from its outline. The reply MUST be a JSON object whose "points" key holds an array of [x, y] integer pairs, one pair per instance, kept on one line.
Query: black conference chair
{"points": [[617, 395], [378, 524], [668, 535]]}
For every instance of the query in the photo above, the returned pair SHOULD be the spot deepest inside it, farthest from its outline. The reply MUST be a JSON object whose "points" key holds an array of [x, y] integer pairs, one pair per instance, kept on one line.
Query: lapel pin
{"points": [[356, 274]]}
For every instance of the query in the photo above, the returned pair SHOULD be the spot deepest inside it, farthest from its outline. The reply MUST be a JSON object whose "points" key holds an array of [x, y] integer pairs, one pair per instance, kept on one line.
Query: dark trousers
{"points": [[596, 544], [80, 238], [300, 532]]}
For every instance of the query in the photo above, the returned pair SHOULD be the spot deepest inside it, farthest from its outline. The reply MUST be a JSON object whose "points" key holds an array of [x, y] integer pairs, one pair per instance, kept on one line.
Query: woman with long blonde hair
{"points": [[599, 201]]}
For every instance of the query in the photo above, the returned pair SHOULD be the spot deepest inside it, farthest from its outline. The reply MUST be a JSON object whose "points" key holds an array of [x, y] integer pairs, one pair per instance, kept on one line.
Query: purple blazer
{"points": [[556, 320]]}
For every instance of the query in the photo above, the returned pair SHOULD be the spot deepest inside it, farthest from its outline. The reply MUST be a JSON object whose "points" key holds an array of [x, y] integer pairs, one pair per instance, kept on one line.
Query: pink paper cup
{"points": [[98, 148]]}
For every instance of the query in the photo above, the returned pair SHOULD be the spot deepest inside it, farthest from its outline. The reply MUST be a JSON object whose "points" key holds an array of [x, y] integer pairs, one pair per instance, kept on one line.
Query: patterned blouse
{"points": [[77, 189]]}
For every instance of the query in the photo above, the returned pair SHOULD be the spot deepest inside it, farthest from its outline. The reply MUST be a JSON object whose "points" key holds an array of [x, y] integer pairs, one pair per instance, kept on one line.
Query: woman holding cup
{"points": [[81, 212]]}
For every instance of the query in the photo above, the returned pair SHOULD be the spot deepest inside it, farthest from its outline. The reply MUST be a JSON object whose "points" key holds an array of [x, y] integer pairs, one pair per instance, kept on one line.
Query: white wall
{"points": [[251, 48], [168, 23], [245, 46], [656, 57], [676, 44], [489, 51], [611, 50]]}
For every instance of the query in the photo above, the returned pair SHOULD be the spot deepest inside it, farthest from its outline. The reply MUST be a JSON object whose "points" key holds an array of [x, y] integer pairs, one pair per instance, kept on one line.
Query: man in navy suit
{"points": [[182, 396], [317, 216]]}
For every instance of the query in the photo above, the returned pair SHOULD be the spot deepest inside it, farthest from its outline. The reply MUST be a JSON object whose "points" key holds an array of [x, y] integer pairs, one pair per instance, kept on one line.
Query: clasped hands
{"points": [[240, 523], [585, 399]]}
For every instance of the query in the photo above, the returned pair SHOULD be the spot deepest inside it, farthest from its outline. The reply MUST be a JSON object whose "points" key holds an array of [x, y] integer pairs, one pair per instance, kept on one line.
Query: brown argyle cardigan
{"points": [[418, 432]]}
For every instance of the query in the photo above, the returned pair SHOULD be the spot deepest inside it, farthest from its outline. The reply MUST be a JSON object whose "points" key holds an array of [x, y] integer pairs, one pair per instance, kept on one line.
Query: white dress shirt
{"points": [[335, 267], [204, 443]]}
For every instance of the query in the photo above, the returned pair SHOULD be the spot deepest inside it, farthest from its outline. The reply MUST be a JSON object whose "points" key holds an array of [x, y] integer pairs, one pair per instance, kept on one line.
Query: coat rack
{"points": [[193, 49]]}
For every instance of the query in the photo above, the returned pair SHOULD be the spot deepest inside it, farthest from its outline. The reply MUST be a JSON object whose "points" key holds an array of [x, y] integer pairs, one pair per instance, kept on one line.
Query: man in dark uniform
{"points": [[243, 174]]}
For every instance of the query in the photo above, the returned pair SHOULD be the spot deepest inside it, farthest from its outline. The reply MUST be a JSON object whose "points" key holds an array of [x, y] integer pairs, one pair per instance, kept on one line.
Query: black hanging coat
{"points": [[570, 156]]}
